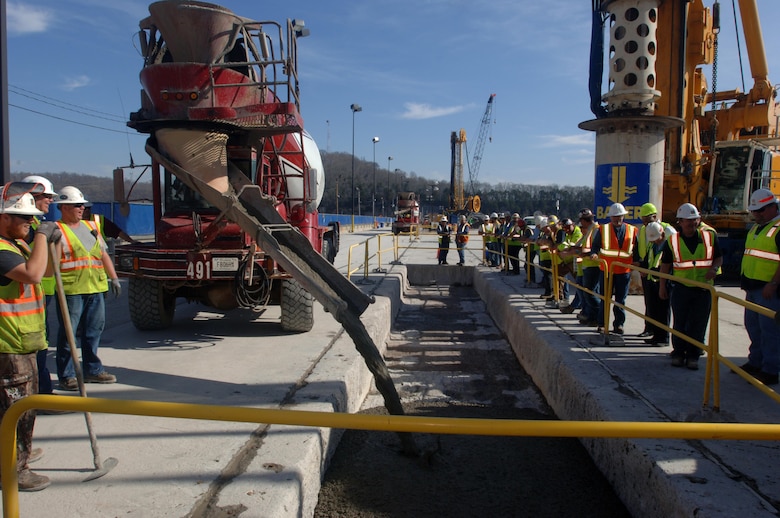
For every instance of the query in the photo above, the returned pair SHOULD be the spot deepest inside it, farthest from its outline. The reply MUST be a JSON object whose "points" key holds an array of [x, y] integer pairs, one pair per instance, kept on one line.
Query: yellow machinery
{"points": [[718, 145]]}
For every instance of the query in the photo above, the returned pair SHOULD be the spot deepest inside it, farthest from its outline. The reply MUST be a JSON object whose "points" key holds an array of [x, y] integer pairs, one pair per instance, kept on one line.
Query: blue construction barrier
{"points": [[140, 219], [138, 222]]}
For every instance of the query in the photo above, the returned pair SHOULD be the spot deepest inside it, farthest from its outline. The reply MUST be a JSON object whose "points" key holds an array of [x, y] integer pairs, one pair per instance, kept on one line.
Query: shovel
{"points": [[101, 468]]}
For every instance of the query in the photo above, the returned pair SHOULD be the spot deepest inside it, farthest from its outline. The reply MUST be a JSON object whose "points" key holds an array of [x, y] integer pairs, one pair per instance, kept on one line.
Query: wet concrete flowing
{"points": [[449, 360]]}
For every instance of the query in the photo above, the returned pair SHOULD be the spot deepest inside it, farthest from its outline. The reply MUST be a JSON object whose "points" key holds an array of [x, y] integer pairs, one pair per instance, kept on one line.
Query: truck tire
{"points": [[151, 307], [297, 307], [327, 248]]}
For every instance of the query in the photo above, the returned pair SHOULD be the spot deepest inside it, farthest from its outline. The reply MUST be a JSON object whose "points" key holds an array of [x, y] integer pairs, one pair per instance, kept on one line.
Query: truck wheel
{"points": [[297, 307], [327, 248], [151, 307]]}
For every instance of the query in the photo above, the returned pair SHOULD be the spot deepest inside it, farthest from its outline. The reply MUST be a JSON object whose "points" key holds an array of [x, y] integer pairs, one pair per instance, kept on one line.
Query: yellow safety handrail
{"points": [[434, 425]]}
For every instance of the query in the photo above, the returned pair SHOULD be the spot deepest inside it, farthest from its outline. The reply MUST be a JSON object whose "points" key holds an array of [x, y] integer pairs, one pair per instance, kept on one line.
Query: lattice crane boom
{"points": [[484, 129]]}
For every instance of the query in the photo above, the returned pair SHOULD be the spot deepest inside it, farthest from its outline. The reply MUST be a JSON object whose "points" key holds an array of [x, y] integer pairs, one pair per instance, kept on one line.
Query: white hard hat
{"points": [[444, 219], [542, 222], [761, 198], [688, 211], [48, 187], [23, 205], [70, 195], [493, 215], [617, 209], [654, 231]]}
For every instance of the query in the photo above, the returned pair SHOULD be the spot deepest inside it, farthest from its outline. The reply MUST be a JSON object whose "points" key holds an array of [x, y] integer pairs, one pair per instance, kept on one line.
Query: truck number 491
{"points": [[199, 269]]}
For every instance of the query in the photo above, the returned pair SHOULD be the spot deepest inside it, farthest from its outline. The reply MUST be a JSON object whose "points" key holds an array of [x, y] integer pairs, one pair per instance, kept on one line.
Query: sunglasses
{"points": [[23, 217], [74, 205]]}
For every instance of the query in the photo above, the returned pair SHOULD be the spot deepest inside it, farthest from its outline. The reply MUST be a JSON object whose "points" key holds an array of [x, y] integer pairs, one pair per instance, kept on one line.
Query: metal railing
{"points": [[394, 423], [714, 358]]}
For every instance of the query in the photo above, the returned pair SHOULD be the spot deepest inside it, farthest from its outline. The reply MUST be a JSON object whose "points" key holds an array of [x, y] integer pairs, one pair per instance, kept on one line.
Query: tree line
{"points": [[369, 177]]}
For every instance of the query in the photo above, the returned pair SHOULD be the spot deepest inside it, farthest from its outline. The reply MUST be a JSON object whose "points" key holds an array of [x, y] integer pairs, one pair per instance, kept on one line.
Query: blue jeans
{"points": [[44, 376], [590, 303], [620, 283], [87, 318], [764, 333], [461, 254]]}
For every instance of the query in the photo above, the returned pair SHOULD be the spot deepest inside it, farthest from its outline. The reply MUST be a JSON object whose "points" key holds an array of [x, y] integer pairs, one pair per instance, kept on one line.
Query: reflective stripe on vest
{"points": [[614, 252], [22, 320], [82, 270], [761, 257], [693, 266]]}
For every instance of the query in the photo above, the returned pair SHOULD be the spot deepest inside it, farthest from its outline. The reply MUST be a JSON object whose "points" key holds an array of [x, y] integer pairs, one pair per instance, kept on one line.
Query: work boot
{"points": [[69, 384], [29, 481], [102, 377], [35, 455]]}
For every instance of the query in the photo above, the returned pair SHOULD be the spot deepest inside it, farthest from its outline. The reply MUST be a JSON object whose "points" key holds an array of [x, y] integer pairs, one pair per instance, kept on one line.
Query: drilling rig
{"points": [[459, 202], [656, 139]]}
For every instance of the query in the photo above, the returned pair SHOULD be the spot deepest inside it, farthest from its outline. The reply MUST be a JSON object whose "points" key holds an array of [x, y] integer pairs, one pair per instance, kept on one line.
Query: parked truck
{"points": [[407, 213], [222, 101]]}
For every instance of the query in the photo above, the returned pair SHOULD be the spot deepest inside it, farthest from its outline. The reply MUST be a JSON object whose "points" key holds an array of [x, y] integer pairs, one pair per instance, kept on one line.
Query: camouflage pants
{"points": [[18, 379]]}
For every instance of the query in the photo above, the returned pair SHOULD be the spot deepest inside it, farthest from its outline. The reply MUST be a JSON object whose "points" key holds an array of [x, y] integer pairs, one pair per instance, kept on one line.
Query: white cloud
{"points": [[426, 111], [72, 83], [26, 19], [584, 139]]}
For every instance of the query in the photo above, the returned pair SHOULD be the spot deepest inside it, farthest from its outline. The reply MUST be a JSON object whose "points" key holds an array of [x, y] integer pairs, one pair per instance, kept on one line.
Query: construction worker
{"points": [[692, 254], [760, 279], [87, 273], [462, 238], [614, 243], [488, 232], [107, 227], [648, 214], [515, 237], [543, 243], [22, 317], [656, 307], [43, 201], [590, 270], [567, 238], [444, 232]]}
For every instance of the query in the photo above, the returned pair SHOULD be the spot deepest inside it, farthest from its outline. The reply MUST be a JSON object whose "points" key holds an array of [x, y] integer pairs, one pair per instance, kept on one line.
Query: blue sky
{"points": [[420, 69]]}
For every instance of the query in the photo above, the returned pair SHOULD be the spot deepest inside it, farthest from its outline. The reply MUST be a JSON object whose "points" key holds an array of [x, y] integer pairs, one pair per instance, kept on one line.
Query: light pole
{"points": [[373, 192], [358, 194], [387, 195], [355, 108]]}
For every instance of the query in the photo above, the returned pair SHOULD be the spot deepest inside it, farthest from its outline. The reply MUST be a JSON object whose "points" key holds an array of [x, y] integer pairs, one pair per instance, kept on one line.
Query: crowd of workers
{"points": [[31, 251], [687, 250]]}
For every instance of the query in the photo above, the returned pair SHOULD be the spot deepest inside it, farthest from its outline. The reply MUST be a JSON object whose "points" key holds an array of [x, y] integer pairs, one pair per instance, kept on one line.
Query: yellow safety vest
{"points": [[641, 240], [693, 266], [22, 318], [587, 243], [761, 257], [82, 270]]}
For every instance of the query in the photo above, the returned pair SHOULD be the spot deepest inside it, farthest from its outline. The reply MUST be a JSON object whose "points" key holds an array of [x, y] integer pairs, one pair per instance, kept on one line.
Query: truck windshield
{"points": [[734, 164], [180, 198]]}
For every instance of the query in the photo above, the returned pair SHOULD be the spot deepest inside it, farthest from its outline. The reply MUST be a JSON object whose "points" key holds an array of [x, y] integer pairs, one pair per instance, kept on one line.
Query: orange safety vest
{"points": [[614, 252]]}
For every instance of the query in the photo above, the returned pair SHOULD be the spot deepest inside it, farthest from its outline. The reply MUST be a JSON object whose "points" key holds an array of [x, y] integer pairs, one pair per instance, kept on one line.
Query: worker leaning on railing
{"points": [[692, 254], [760, 279], [567, 259]]}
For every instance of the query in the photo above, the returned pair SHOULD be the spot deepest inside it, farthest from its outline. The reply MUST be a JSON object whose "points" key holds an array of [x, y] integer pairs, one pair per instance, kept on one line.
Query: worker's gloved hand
{"points": [[115, 287], [50, 230]]}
